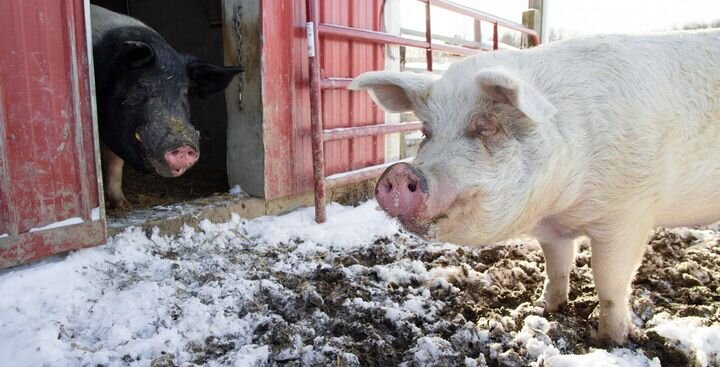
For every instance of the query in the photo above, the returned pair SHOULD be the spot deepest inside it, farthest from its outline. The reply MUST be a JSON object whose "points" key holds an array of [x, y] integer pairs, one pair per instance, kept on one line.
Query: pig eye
{"points": [[135, 98], [426, 133]]}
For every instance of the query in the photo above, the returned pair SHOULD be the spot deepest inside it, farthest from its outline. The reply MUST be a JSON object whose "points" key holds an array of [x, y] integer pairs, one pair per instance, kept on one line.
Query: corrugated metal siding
{"points": [[342, 108], [47, 152], [286, 130]]}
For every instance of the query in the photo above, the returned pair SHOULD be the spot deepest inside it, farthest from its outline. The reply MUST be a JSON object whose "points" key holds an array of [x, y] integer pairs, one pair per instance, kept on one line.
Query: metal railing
{"points": [[317, 84]]}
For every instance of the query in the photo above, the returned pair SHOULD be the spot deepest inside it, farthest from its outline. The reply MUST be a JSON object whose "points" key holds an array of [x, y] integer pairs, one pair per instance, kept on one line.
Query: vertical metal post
{"points": [[495, 36], [428, 38], [315, 109]]}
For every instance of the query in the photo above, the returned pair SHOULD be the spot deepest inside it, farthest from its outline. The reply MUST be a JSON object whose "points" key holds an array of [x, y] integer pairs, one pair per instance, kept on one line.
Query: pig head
{"points": [[142, 88], [473, 171]]}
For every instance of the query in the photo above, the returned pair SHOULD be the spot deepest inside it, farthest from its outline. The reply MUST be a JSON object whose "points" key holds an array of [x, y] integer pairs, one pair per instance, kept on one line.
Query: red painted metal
{"points": [[496, 40], [333, 84], [483, 16], [285, 89], [368, 36], [428, 38], [285, 96], [357, 132], [48, 171], [385, 38], [341, 179], [316, 111]]}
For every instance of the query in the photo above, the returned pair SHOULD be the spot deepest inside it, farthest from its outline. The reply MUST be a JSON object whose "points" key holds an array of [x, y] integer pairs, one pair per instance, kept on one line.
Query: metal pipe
{"points": [[481, 15], [335, 83], [372, 130], [428, 39], [385, 38], [315, 110], [362, 174], [369, 36], [455, 49], [496, 39]]}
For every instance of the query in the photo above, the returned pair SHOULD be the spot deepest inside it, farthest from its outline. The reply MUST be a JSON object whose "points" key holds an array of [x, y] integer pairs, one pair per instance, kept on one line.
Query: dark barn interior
{"points": [[193, 27]]}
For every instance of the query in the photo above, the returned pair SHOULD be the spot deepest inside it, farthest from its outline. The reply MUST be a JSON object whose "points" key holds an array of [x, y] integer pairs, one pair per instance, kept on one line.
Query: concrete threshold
{"points": [[170, 219]]}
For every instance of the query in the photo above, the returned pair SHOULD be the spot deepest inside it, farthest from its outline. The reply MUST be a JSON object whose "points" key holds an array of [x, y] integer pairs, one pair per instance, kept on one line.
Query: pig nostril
{"points": [[192, 154], [412, 186]]}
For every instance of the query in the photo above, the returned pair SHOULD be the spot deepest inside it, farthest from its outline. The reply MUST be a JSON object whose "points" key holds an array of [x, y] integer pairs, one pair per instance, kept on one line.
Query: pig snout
{"points": [[402, 192], [181, 158]]}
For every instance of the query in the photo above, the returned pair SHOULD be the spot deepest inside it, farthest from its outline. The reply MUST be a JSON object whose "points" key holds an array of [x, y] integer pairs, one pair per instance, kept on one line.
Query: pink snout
{"points": [[402, 192], [180, 159]]}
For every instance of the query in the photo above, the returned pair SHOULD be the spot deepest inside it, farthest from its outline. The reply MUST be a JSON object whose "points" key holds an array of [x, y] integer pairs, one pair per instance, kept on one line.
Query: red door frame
{"points": [[50, 190]]}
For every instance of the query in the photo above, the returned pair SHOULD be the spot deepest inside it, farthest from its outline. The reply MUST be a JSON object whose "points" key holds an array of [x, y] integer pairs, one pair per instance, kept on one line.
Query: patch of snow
{"points": [[535, 339], [62, 223], [430, 351], [250, 356], [601, 358], [237, 190], [346, 227], [95, 214], [693, 335], [4, 235]]}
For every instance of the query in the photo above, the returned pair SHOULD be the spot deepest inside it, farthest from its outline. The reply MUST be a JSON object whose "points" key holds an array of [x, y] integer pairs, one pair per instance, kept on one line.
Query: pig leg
{"points": [[558, 246], [112, 176], [559, 261], [616, 256]]}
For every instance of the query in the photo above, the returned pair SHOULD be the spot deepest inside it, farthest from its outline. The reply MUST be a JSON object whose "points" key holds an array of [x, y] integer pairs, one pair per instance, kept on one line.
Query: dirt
{"points": [[477, 308], [145, 190]]}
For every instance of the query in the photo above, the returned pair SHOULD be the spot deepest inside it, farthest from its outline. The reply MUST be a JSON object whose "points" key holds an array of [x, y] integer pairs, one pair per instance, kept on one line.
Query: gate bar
{"points": [[316, 125], [344, 133], [341, 179], [483, 16]]}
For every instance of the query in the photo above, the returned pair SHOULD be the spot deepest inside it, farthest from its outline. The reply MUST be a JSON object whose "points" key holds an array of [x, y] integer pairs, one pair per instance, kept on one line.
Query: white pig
{"points": [[606, 137]]}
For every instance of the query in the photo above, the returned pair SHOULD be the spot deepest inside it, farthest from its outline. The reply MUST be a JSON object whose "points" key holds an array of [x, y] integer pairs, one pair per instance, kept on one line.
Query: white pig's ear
{"points": [[502, 86], [395, 91]]}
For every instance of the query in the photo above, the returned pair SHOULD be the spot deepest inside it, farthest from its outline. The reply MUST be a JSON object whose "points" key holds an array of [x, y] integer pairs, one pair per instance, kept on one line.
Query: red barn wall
{"points": [[274, 50]]}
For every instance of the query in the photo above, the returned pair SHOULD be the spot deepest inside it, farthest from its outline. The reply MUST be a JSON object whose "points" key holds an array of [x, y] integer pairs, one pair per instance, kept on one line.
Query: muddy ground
{"points": [[377, 305], [144, 190]]}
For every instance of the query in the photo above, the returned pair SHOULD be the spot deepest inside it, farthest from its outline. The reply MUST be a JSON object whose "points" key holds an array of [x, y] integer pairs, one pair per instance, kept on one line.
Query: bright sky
{"points": [[622, 16], [574, 16]]}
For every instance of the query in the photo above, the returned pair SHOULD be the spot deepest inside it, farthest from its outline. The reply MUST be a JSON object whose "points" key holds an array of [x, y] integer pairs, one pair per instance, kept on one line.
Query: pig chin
{"points": [[163, 169], [458, 222], [434, 225]]}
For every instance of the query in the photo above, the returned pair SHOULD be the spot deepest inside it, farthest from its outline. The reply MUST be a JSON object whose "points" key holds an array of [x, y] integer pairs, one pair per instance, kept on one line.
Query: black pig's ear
{"points": [[135, 54], [207, 79]]}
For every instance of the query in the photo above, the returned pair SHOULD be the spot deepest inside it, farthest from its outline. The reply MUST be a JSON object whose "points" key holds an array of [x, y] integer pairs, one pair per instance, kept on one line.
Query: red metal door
{"points": [[49, 190]]}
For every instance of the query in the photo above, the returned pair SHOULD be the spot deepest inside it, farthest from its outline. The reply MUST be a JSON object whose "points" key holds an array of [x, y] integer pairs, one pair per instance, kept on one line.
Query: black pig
{"points": [[142, 87]]}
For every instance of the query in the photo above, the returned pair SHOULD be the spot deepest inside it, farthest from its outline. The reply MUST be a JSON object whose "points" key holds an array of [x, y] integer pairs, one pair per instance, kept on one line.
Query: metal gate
{"points": [[320, 136], [49, 190]]}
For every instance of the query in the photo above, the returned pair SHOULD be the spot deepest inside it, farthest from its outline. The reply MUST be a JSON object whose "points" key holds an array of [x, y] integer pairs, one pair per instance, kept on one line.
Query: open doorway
{"points": [[193, 27]]}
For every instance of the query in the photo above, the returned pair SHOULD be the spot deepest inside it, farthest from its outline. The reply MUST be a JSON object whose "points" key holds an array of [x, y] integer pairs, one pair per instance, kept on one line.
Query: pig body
{"points": [[142, 87], [605, 137]]}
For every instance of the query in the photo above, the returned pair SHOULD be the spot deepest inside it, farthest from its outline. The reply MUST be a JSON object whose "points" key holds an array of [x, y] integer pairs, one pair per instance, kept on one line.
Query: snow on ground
{"points": [[356, 290]]}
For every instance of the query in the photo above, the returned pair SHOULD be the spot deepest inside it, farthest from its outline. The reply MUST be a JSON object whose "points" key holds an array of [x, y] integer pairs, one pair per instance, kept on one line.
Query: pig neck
{"points": [[104, 21], [550, 191], [555, 189]]}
